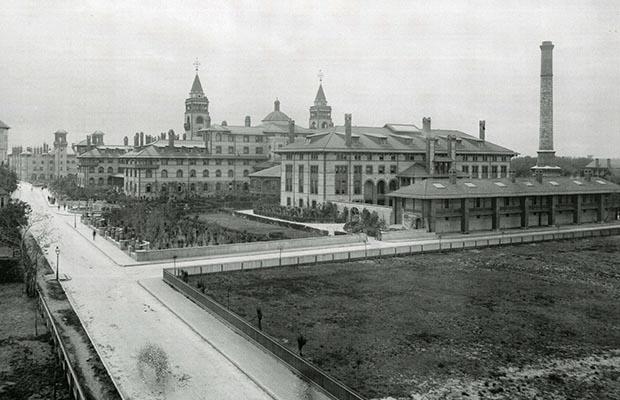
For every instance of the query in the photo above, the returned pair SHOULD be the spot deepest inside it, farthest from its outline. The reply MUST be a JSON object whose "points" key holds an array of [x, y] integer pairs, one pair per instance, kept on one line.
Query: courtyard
{"points": [[508, 322]]}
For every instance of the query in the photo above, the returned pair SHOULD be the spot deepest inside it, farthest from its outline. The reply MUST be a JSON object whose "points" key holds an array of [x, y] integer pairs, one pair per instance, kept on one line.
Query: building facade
{"points": [[4, 143], [357, 164], [467, 205], [43, 164]]}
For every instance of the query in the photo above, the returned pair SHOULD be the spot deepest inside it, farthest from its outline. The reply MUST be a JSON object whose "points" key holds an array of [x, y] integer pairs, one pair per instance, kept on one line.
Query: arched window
{"points": [[313, 125], [218, 173], [91, 181], [199, 120], [246, 172], [218, 137], [324, 125], [91, 170], [179, 173], [192, 173], [149, 173], [231, 173], [110, 170], [192, 187], [218, 186], [179, 188], [205, 173], [101, 170], [148, 188], [164, 173], [205, 187], [100, 182]]}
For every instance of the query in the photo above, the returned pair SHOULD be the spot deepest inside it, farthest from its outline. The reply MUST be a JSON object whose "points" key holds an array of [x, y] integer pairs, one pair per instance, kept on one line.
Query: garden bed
{"points": [[241, 224], [536, 320]]}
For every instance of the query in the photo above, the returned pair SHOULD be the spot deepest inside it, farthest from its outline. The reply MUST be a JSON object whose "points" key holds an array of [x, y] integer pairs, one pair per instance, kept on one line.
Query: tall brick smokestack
{"points": [[546, 154]]}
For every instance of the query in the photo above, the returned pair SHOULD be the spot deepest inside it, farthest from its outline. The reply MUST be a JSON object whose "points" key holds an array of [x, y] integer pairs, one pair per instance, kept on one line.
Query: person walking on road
{"points": [[94, 233]]}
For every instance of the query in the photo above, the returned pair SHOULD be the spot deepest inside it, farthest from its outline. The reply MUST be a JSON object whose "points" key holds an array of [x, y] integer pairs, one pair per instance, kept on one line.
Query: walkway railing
{"points": [[71, 377], [303, 367]]}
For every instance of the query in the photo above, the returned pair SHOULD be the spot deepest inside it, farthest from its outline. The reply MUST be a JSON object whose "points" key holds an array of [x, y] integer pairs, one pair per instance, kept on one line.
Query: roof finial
{"points": [[196, 64], [320, 75]]}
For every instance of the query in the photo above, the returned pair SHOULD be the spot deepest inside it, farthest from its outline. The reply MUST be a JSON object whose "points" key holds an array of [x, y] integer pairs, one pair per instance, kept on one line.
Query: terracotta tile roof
{"points": [[615, 163], [468, 188]]}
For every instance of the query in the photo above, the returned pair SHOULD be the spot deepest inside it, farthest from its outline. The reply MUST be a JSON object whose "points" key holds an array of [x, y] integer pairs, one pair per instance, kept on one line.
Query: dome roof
{"points": [[98, 132], [276, 115], [61, 131]]}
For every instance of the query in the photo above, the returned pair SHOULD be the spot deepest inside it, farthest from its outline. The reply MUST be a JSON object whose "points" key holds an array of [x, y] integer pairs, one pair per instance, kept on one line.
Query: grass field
{"points": [[520, 322], [240, 224]]}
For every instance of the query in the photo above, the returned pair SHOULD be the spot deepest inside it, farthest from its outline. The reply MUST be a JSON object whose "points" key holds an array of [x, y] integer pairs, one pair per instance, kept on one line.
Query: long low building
{"points": [[465, 205]]}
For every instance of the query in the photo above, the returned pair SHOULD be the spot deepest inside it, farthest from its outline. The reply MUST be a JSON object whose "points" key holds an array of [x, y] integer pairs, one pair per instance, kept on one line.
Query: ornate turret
{"points": [[320, 112], [196, 109]]}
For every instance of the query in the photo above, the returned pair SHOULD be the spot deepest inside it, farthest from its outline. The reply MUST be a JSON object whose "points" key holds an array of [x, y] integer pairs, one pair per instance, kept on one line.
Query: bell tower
{"points": [[196, 109], [320, 112]]}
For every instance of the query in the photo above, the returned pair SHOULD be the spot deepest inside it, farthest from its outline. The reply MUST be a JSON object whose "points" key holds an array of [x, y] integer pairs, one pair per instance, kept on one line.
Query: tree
{"points": [[301, 342], [153, 363], [8, 179]]}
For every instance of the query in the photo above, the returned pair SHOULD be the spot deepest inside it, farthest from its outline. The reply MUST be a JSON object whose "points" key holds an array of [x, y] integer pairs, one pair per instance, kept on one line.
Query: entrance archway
{"points": [[369, 192], [381, 193]]}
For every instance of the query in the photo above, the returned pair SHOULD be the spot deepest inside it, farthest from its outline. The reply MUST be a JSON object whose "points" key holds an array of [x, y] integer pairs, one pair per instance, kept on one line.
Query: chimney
{"points": [[609, 164], [513, 175], [347, 130], [452, 176], [87, 142], [208, 122], [276, 105], [482, 129], [539, 175], [597, 163], [588, 175], [248, 121], [546, 154], [224, 123], [291, 131], [141, 139], [126, 141], [426, 125], [207, 137], [171, 138], [452, 147], [136, 140]]}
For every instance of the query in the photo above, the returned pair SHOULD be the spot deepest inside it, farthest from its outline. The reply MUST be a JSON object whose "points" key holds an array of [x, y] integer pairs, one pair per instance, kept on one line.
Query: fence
{"points": [[72, 380], [401, 250], [307, 370]]}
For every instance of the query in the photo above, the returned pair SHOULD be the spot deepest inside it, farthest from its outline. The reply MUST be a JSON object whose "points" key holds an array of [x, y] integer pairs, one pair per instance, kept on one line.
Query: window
{"points": [[288, 201], [357, 179], [148, 188], [300, 179], [392, 169], [289, 156], [465, 169], [503, 171], [205, 173], [246, 138], [192, 187], [231, 173], [341, 179], [381, 169], [218, 149], [393, 157], [246, 150], [314, 179], [218, 137], [288, 178], [258, 139], [485, 171], [164, 173], [164, 162], [231, 138], [474, 171], [180, 161], [259, 150], [381, 156], [179, 173], [100, 182], [110, 170], [494, 171], [314, 156], [369, 170], [100, 170], [205, 162], [218, 174], [341, 156], [218, 162], [192, 162], [218, 186], [231, 150], [246, 172], [231, 162], [192, 173], [446, 203], [149, 173], [205, 186], [91, 170], [301, 203]]}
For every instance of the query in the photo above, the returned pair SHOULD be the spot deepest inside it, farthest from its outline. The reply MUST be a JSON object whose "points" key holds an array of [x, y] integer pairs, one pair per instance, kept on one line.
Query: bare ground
{"points": [[520, 322]]}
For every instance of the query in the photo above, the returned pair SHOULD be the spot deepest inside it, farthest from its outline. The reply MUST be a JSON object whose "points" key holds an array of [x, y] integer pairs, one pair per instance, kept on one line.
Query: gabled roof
{"points": [[4, 126], [392, 138], [415, 171], [470, 188], [272, 172], [105, 151], [602, 163], [196, 86]]}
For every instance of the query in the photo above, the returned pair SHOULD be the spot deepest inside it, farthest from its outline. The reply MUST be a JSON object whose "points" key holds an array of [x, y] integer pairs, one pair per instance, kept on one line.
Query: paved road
{"points": [[121, 316]]}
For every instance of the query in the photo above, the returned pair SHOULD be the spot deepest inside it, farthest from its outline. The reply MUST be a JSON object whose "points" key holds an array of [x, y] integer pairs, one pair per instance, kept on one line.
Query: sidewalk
{"points": [[274, 376]]}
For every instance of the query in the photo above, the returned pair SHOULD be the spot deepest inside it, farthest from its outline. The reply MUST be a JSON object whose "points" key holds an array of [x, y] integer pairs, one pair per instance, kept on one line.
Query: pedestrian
{"points": [[94, 233]]}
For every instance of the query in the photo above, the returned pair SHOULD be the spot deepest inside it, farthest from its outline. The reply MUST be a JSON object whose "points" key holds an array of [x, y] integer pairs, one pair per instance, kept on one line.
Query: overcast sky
{"points": [[123, 67]]}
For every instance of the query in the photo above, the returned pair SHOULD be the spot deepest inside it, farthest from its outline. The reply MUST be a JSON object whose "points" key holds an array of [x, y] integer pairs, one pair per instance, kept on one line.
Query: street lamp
{"points": [[74, 219], [57, 265]]}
